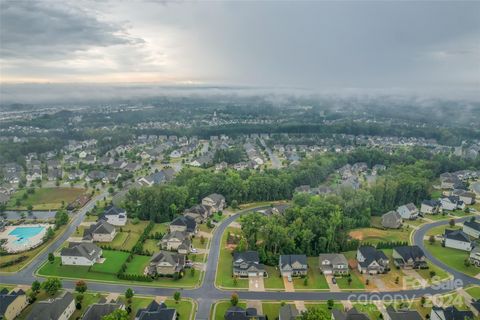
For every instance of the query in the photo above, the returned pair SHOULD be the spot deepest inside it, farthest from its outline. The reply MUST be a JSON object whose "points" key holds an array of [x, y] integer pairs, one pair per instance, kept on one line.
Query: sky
{"points": [[386, 45]]}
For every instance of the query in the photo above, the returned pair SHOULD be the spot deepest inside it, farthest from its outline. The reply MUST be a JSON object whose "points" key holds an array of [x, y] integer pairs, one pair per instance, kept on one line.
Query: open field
{"points": [[45, 198], [137, 264], [151, 246], [452, 257], [29, 254], [374, 235]]}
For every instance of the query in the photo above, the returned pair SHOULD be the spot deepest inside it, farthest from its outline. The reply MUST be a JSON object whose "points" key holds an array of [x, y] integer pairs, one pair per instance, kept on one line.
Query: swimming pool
{"points": [[23, 234]]}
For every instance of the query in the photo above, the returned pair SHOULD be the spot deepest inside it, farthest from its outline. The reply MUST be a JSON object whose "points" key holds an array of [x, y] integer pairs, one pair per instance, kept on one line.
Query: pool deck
{"points": [[12, 246]]}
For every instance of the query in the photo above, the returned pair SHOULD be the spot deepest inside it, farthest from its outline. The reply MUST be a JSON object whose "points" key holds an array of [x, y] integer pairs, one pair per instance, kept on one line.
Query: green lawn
{"points": [[274, 280], [150, 245], [222, 307], [370, 309], [112, 263], [45, 198], [224, 277], [119, 240], [374, 235], [316, 280], [474, 292], [196, 243], [88, 299], [440, 230], [159, 228], [137, 264], [356, 283], [440, 274], [271, 310], [452, 257]]}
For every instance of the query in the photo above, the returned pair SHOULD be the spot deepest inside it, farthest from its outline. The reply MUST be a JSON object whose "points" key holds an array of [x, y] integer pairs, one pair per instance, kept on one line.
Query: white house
{"points": [[457, 239], [466, 196], [408, 211], [81, 254], [115, 216], [430, 207], [472, 228], [452, 203]]}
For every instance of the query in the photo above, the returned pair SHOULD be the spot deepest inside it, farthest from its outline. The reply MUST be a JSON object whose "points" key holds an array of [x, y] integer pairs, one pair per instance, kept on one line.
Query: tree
{"points": [[36, 286], [49, 234], [52, 285], [117, 315], [129, 295], [423, 300], [234, 299], [314, 314], [176, 296], [349, 280], [305, 281], [51, 257], [61, 218], [81, 286], [234, 204], [431, 239], [330, 304], [451, 223]]}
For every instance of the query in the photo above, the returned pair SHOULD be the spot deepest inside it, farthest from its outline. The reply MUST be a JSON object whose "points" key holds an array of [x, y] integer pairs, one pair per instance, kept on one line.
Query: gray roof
{"points": [[472, 224], [291, 259], [334, 258], [113, 211], [288, 312], [7, 298], [156, 311], [452, 313], [51, 309], [186, 221], [410, 252], [458, 235], [391, 219], [101, 227], [83, 249], [98, 310], [351, 314], [403, 314], [371, 254]]}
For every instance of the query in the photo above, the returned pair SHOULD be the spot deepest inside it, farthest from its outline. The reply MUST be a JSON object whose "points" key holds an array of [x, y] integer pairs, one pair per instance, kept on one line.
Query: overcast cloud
{"points": [[318, 45]]}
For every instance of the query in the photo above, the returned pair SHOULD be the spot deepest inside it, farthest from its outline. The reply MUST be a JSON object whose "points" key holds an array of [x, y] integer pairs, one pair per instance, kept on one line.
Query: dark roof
{"points": [[51, 309], [98, 310], [186, 221], [247, 256], [288, 312], [83, 249], [472, 224], [351, 314], [7, 298], [452, 313], [156, 311], [237, 313], [403, 314], [458, 235], [113, 211], [101, 227], [370, 254], [290, 259], [431, 203], [410, 252]]}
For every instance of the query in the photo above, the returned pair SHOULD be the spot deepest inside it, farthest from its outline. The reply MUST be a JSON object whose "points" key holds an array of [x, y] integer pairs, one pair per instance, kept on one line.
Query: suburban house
{"points": [[184, 224], [176, 241], [457, 239], [333, 263], [408, 211], [293, 265], [392, 220], [475, 256], [156, 310], [215, 201], [12, 304], [101, 231], [431, 207], [439, 313], [59, 308], [115, 216], [238, 313], [81, 254], [466, 196], [159, 177], [199, 213], [452, 203], [371, 261], [288, 312], [409, 257], [165, 263], [247, 264], [472, 228], [97, 311], [402, 314], [351, 314]]}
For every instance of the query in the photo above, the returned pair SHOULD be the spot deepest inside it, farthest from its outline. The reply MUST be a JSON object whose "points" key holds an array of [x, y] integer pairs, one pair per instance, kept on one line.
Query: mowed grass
{"points": [[374, 235], [223, 277], [473, 291], [88, 299], [274, 280], [356, 283], [151, 246], [369, 309], [223, 306], [45, 198], [137, 264], [440, 230], [452, 257], [159, 228], [316, 280], [184, 307]]}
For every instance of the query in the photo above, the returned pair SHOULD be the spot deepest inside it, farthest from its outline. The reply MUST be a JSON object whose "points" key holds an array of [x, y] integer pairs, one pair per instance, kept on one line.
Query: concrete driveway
{"points": [[256, 284], [332, 286], [288, 285]]}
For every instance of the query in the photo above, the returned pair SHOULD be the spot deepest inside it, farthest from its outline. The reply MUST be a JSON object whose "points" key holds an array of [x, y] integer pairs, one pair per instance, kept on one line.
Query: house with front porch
{"points": [[371, 261], [247, 264], [333, 263], [293, 265]]}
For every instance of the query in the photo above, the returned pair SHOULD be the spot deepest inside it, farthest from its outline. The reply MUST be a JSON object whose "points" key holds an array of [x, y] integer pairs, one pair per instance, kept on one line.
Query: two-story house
{"points": [[333, 263], [293, 265], [165, 263], [247, 264], [409, 257], [102, 231], [215, 201], [80, 254], [371, 261]]}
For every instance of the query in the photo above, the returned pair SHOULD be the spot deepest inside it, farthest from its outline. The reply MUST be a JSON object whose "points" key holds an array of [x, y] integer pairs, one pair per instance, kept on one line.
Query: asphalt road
{"points": [[207, 293]]}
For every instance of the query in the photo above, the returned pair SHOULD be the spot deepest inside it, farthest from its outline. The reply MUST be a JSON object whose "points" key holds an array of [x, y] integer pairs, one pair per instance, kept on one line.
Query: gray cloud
{"points": [[51, 30]]}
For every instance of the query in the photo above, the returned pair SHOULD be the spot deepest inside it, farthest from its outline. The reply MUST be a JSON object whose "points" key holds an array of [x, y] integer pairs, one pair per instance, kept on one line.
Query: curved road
{"points": [[207, 293]]}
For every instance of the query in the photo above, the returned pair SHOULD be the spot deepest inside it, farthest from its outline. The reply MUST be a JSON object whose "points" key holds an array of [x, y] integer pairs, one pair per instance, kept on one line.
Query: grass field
{"points": [[150, 245], [223, 277], [159, 228], [273, 281], [29, 254], [196, 243], [316, 280], [45, 198], [452, 257], [356, 283], [137, 264], [473, 291], [374, 235], [369, 309], [440, 230]]}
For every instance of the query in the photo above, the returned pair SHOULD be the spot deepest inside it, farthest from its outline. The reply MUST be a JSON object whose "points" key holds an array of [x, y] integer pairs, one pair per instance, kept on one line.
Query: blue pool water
{"points": [[25, 233]]}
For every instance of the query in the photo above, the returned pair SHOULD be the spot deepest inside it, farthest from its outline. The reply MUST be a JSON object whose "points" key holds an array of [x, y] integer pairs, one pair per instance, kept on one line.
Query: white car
{"points": [[193, 250]]}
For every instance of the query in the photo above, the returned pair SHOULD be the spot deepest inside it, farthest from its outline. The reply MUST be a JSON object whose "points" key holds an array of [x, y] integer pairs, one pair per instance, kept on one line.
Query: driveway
{"points": [[256, 284], [288, 285], [332, 286]]}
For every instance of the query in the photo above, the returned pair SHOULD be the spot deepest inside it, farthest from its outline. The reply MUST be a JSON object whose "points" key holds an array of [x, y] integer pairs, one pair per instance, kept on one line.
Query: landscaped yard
{"points": [[452, 257], [151, 246], [137, 264], [222, 307], [45, 198], [315, 281], [184, 307], [224, 271], [473, 291], [197, 243], [370, 309], [356, 283], [274, 280]]}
